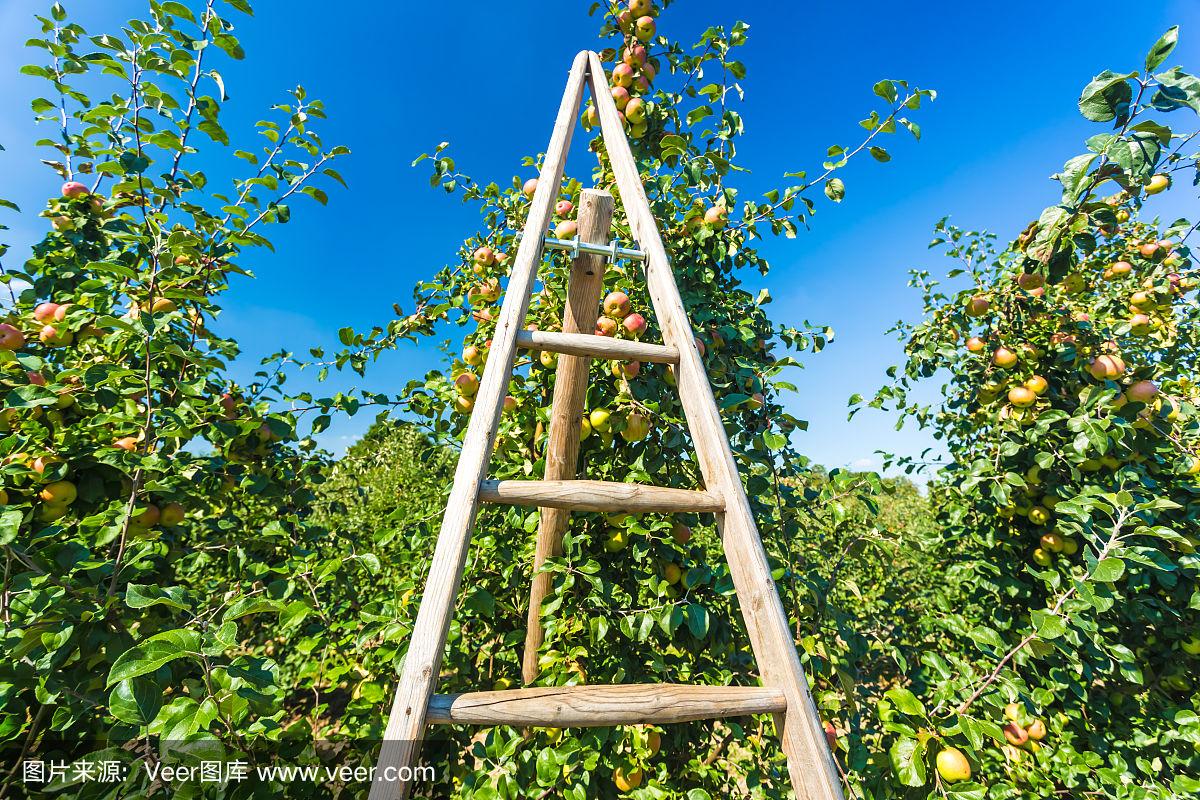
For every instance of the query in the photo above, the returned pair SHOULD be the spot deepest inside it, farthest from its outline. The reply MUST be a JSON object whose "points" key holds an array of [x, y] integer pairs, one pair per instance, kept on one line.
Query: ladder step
{"points": [[586, 344], [602, 706], [633, 498]]}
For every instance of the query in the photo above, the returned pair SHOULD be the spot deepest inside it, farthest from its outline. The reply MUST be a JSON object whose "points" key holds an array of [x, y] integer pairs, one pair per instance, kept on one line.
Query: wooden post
{"points": [[406, 723], [810, 764], [584, 286]]}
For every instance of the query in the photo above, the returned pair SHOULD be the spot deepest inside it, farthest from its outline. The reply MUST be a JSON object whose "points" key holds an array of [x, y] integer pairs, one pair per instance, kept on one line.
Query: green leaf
{"points": [[905, 701], [230, 45], [1177, 89], [1107, 97], [1074, 176], [135, 701], [697, 620], [1048, 626], [774, 441], [145, 596], [250, 605], [908, 761], [1109, 570], [1162, 48], [150, 654], [835, 190], [10, 525]]}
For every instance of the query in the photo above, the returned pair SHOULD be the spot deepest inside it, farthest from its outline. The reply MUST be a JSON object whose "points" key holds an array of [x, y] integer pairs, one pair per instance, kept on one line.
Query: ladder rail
{"points": [[604, 706], [810, 764], [593, 346], [602, 496], [407, 721]]}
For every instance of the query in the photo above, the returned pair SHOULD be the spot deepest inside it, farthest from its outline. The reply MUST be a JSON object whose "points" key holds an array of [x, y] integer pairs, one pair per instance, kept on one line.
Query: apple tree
{"points": [[1060, 659], [155, 515]]}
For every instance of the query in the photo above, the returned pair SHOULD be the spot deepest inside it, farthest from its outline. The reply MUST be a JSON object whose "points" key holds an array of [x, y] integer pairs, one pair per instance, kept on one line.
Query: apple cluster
{"points": [[633, 71], [63, 426], [1078, 337]]}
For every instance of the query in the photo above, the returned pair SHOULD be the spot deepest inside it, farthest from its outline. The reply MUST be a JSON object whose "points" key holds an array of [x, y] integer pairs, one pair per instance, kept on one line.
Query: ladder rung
{"points": [[586, 344], [598, 706], [597, 496]]}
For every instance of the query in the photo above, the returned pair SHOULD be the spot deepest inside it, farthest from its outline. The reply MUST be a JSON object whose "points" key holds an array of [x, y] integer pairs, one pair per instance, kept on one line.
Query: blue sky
{"points": [[487, 77]]}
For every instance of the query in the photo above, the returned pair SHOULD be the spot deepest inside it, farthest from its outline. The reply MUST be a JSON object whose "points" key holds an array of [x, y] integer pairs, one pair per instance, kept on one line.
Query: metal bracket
{"points": [[576, 247]]}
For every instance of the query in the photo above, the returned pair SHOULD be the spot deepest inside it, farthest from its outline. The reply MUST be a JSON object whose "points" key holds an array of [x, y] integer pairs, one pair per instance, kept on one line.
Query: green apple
{"points": [[601, 420], [617, 540], [953, 766]]}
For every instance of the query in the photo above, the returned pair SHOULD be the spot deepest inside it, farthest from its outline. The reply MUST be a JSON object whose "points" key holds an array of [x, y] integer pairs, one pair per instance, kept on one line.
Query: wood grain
{"points": [[406, 722], [587, 344], [810, 764], [605, 496], [584, 285], [595, 706]]}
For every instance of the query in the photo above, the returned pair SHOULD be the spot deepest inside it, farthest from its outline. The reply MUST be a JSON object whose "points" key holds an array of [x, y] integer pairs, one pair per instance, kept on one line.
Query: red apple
{"points": [[36, 378], [636, 324], [1015, 734], [1030, 281], [622, 75], [716, 217], [1106, 366], [73, 189], [616, 305], [1141, 392], [490, 290], [53, 337], [977, 306], [44, 312], [530, 187], [606, 326], [640, 8], [831, 736], [634, 55], [564, 207], [510, 404], [11, 337], [567, 229], [484, 257], [635, 111], [644, 28], [626, 370], [620, 96], [467, 384]]}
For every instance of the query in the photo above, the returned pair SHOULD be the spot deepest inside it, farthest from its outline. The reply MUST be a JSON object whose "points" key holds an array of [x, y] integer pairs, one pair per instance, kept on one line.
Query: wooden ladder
{"points": [[784, 691]]}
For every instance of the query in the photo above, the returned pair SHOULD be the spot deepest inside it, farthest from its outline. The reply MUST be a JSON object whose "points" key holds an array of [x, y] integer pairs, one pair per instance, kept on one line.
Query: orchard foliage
{"points": [[1066, 664], [154, 514]]}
